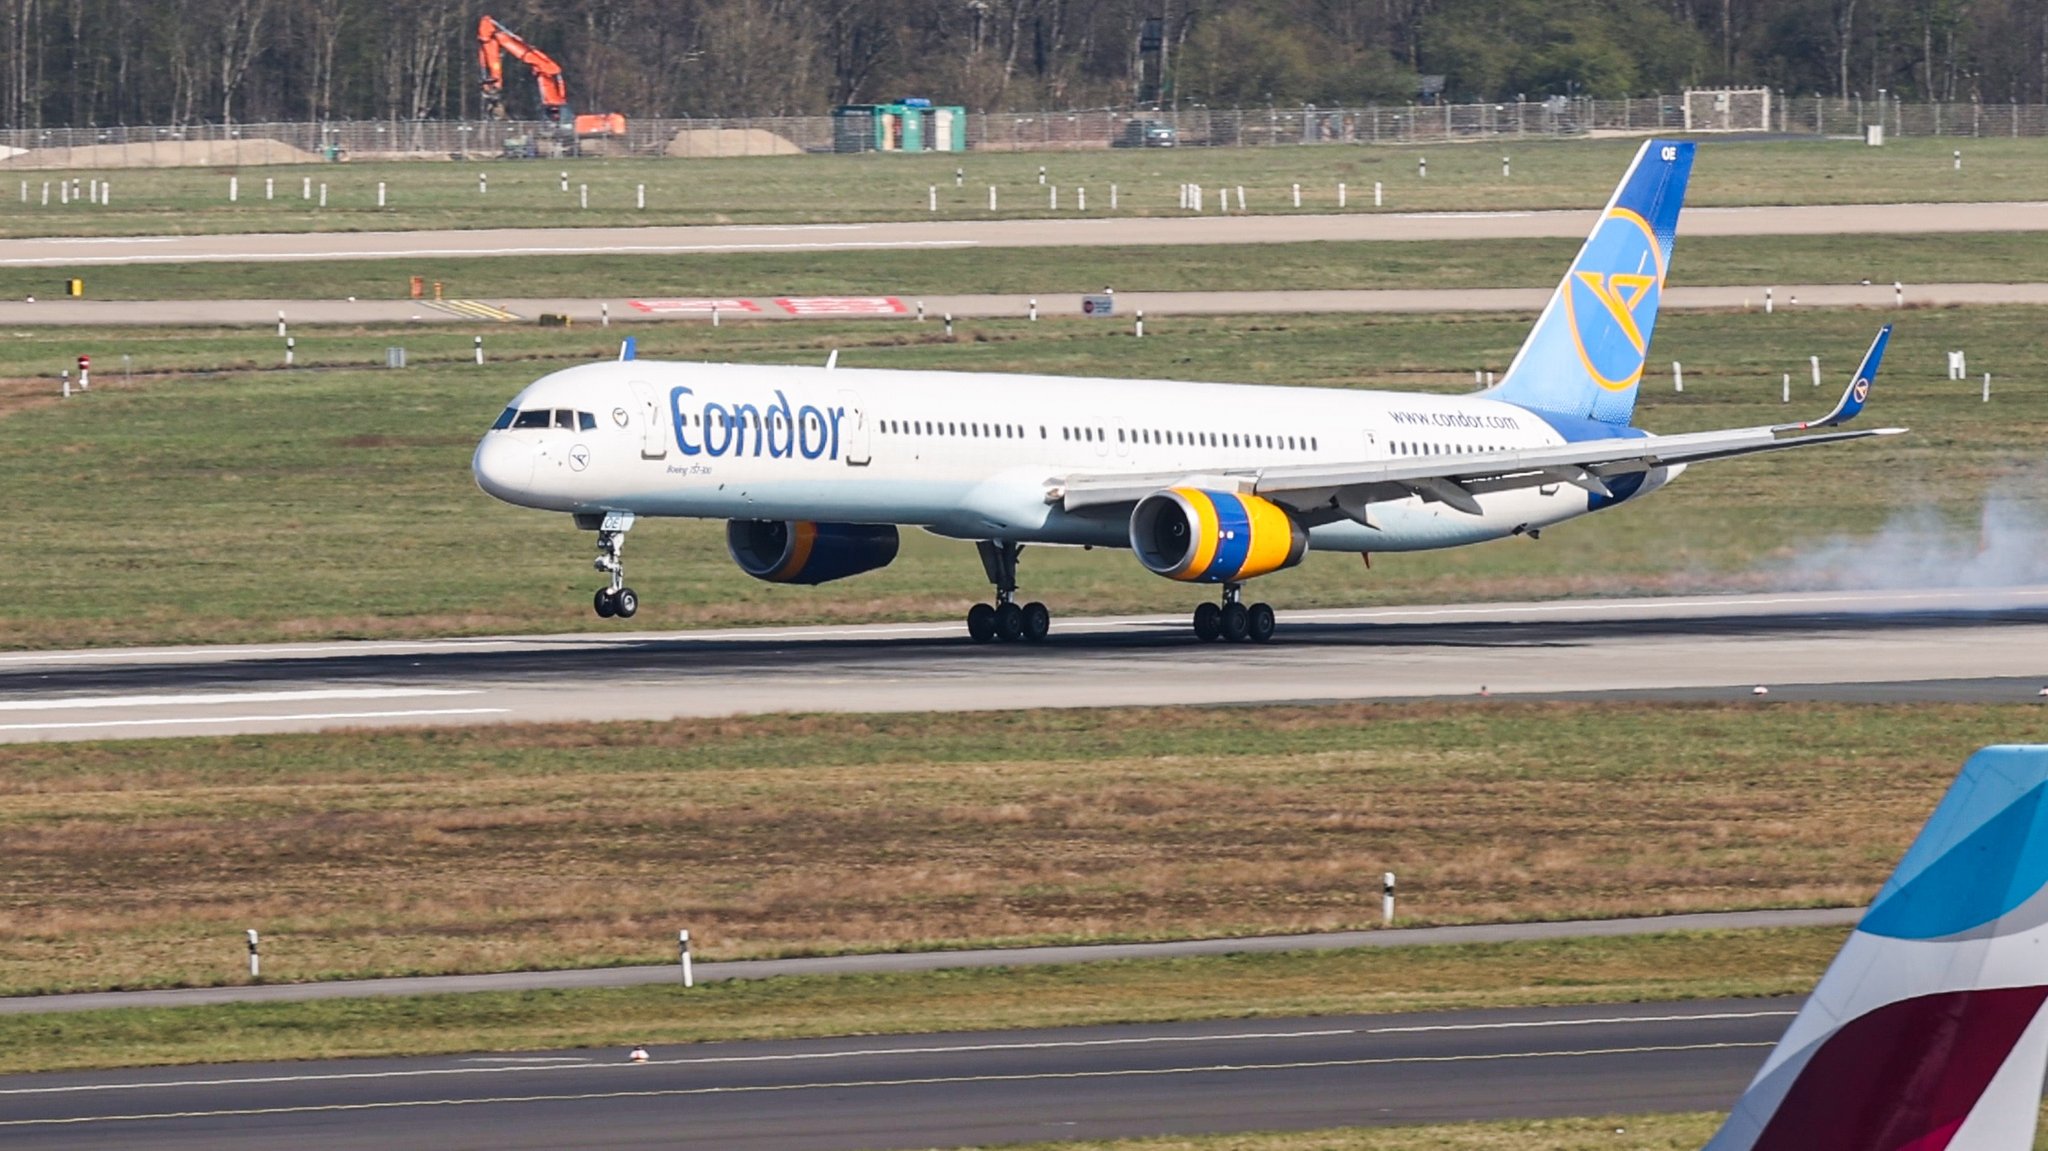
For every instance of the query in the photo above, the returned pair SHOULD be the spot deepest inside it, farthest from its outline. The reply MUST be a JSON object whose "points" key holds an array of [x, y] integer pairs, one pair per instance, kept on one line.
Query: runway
{"points": [[1015, 305], [1806, 220], [1957, 644], [937, 1090]]}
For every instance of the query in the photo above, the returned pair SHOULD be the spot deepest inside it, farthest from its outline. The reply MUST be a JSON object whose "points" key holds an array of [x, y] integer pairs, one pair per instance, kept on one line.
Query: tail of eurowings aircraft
{"points": [[1584, 358], [1927, 1033]]}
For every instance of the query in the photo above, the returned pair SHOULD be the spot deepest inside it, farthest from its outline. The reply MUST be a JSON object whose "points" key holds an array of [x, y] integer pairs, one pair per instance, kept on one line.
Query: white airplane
{"points": [[816, 468], [1928, 1031]]}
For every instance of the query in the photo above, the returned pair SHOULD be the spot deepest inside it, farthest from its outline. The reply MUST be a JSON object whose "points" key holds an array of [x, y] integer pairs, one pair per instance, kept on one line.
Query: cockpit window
{"points": [[504, 419], [564, 418], [534, 418], [586, 421]]}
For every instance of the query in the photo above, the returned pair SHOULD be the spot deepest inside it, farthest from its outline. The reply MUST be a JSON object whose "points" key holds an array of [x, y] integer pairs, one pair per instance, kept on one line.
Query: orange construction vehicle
{"points": [[494, 42]]}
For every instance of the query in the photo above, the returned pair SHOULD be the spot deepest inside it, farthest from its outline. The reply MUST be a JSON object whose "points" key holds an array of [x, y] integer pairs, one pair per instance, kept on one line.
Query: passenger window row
{"points": [[1411, 448], [1101, 435], [545, 418], [977, 431]]}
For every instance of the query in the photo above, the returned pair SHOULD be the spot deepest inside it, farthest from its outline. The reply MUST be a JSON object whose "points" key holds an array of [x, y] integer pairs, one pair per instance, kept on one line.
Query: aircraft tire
{"points": [[1259, 623], [1236, 622], [1208, 622], [1009, 623], [626, 603], [602, 603], [1037, 621], [981, 623]]}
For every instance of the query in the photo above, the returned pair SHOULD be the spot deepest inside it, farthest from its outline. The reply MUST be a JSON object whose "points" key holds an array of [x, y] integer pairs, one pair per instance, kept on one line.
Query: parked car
{"points": [[1148, 134]]}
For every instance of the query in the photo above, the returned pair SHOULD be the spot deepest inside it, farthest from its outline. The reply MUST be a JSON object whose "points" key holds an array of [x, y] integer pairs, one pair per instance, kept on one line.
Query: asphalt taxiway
{"points": [[937, 1090], [1091, 231], [1951, 644]]}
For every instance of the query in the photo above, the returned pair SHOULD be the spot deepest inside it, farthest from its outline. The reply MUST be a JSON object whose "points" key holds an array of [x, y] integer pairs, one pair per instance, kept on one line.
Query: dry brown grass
{"points": [[141, 863]]}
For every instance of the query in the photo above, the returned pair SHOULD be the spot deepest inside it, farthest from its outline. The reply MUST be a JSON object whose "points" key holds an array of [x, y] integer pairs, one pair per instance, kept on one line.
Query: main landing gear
{"points": [[1004, 620], [618, 599], [1232, 620]]}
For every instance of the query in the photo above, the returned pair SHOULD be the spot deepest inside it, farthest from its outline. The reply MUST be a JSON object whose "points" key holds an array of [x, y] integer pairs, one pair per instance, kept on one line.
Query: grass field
{"points": [[1707, 260], [501, 848], [1546, 174], [253, 505], [1645, 968]]}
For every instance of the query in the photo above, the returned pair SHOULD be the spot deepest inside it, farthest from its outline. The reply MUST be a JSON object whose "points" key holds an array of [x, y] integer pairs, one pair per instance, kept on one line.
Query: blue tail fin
{"points": [[1585, 356]]}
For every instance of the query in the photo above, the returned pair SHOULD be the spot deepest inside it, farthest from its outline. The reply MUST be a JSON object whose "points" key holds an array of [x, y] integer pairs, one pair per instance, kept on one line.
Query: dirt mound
{"points": [[702, 143], [164, 154]]}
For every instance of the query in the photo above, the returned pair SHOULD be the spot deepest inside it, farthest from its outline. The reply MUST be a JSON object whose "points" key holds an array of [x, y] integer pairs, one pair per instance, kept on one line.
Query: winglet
{"points": [[1928, 1032], [1858, 391]]}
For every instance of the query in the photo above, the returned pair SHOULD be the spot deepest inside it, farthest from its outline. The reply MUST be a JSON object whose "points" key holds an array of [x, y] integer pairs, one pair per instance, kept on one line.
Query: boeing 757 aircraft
{"points": [[816, 468]]}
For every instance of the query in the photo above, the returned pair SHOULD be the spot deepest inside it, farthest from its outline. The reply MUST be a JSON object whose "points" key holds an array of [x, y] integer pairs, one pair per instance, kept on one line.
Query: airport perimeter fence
{"points": [[1030, 131]]}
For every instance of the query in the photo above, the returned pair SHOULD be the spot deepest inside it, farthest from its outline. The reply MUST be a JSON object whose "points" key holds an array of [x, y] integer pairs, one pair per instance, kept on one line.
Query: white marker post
{"points": [[46, 193], [306, 188], [1112, 197], [714, 313], [1052, 198], [1785, 396], [1140, 330], [483, 183], [1814, 362], [67, 383], [1898, 294], [291, 346], [959, 177], [255, 957], [1422, 167], [380, 193], [931, 198], [640, 197], [920, 311], [1769, 304], [1987, 387], [949, 325], [1677, 377], [1041, 175], [323, 195], [1959, 159], [991, 197], [234, 189], [1297, 195], [1080, 199], [281, 333], [479, 351], [604, 313], [683, 958], [1503, 167], [565, 181], [583, 196], [1387, 899], [269, 189], [1957, 367], [1034, 309], [1378, 195]]}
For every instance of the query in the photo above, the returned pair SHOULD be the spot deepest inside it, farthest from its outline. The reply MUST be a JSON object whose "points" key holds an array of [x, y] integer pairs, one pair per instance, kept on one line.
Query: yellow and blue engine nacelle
{"points": [[799, 551], [1214, 537]]}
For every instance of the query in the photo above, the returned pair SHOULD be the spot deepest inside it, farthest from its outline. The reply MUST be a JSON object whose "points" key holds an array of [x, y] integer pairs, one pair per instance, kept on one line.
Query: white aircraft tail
{"points": [[1927, 1032]]}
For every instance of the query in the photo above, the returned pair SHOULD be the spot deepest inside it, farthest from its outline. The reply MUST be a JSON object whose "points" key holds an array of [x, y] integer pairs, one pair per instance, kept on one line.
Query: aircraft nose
{"points": [[503, 467]]}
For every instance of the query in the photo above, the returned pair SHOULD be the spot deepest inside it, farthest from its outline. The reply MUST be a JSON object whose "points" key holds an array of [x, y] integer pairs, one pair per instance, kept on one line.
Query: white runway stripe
{"points": [[419, 713], [207, 699]]}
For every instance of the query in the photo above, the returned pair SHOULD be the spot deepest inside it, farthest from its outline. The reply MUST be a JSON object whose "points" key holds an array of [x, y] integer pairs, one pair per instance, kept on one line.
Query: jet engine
{"points": [[1214, 537], [799, 551]]}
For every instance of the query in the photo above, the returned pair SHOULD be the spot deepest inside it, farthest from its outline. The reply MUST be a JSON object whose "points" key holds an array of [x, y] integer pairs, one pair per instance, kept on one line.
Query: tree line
{"points": [[82, 63]]}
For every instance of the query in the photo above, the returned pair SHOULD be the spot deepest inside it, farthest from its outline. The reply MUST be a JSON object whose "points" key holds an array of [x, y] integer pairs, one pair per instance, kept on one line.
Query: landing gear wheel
{"points": [[1236, 622], [1259, 622], [602, 603], [625, 602], [981, 622], [1009, 623], [1037, 621], [1208, 622]]}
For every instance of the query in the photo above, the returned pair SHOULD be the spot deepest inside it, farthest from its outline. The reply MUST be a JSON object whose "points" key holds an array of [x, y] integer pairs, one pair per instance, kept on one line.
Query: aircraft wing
{"points": [[1323, 492]]}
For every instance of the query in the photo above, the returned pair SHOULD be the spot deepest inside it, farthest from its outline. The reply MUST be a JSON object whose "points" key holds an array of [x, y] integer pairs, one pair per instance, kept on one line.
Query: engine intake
{"points": [[1214, 537], [799, 551]]}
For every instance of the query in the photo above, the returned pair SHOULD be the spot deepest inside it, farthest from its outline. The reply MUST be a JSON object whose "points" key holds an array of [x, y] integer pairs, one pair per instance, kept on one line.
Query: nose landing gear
{"points": [[1232, 620], [1004, 620], [618, 599]]}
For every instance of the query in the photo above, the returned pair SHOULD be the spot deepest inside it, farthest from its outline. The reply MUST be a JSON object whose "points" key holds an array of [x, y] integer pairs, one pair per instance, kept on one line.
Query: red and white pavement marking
{"points": [[706, 304], [841, 305]]}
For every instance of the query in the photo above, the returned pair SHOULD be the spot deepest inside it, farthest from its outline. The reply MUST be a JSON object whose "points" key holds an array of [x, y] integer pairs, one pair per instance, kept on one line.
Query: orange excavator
{"points": [[494, 42]]}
